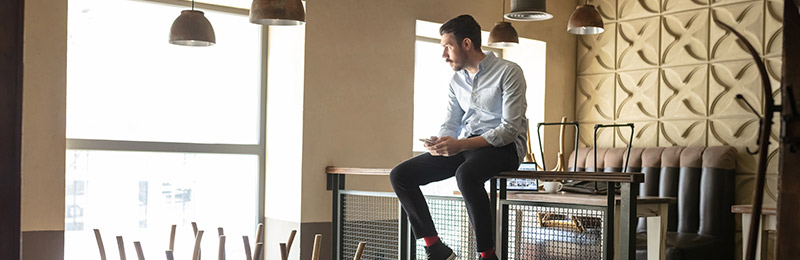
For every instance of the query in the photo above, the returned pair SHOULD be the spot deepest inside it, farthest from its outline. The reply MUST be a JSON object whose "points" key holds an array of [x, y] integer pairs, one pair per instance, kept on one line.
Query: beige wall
{"points": [[664, 66], [359, 83], [44, 115]]}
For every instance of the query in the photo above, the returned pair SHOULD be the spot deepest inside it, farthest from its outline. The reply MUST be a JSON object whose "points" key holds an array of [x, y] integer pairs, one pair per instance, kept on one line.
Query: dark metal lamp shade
{"points": [[528, 10], [277, 12], [191, 28], [585, 20], [503, 35]]}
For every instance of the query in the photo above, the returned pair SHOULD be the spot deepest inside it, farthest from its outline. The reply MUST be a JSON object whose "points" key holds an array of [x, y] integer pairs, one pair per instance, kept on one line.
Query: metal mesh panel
{"points": [[452, 223], [373, 220], [537, 232]]}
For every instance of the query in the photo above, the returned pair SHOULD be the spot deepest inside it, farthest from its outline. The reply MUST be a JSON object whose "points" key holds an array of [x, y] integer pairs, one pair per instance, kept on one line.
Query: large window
{"points": [[159, 134], [432, 78]]}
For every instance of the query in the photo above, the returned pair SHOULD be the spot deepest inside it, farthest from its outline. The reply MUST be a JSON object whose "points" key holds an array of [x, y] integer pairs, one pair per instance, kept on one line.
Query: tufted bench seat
{"points": [[701, 225]]}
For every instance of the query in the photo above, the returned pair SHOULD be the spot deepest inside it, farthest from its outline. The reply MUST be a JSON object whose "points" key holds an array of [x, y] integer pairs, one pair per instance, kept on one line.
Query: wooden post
{"points": [[11, 34], [788, 228], [317, 245], [100, 244]]}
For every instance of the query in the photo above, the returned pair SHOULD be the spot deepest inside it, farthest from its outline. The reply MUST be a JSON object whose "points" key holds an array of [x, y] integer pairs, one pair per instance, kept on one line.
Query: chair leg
{"points": [[246, 241], [196, 254], [289, 243], [359, 251], [284, 252], [196, 230], [170, 256], [121, 246], [139, 253], [221, 251], [100, 244], [172, 237], [257, 253], [317, 245]]}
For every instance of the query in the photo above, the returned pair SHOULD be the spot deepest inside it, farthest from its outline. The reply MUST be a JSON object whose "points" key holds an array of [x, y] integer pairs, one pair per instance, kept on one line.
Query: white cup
{"points": [[552, 186]]}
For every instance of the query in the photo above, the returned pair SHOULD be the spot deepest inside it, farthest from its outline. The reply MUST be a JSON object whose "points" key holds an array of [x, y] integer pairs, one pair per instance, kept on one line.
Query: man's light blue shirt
{"points": [[492, 105]]}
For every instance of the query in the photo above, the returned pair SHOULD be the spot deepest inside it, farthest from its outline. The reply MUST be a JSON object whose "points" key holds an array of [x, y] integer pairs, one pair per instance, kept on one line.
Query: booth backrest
{"points": [[701, 178]]}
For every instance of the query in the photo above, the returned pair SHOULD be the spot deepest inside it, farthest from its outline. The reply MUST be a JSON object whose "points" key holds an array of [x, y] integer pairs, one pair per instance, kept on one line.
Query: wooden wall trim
{"points": [[788, 229], [11, 33]]}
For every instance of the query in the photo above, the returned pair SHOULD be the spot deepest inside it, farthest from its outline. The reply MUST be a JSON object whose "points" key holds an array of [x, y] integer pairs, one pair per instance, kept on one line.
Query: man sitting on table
{"points": [[487, 111]]}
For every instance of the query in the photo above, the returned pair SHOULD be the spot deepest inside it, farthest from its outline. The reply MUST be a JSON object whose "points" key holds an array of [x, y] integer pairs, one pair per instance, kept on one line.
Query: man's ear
{"points": [[466, 43]]}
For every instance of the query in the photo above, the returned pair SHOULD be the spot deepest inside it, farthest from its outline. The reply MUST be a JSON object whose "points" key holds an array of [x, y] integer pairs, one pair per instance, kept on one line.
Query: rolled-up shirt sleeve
{"points": [[514, 107], [452, 124]]}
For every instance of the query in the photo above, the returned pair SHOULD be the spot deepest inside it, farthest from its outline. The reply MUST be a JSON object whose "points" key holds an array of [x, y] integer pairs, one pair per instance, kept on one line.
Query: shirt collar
{"points": [[485, 62]]}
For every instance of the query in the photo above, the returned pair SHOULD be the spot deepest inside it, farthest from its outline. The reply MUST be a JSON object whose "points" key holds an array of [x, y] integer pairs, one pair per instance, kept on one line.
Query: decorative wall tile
{"points": [[746, 18], [631, 9], [645, 134], [682, 5], [684, 37], [595, 98], [741, 133], [637, 95], [607, 9], [725, 2], [773, 26], [605, 136], [745, 183], [729, 79], [774, 67], [637, 44], [596, 53], [684, 92], [682, 133], [771, 190]]}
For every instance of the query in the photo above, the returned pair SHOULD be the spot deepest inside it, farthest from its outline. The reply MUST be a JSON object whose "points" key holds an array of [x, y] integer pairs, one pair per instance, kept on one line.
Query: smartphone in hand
{"points": [[427, 141]]}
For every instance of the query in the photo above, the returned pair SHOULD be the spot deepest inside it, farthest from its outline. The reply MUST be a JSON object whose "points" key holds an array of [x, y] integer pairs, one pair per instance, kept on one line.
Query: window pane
{"points": [[431, 83], [126, 82], [138, 195]]}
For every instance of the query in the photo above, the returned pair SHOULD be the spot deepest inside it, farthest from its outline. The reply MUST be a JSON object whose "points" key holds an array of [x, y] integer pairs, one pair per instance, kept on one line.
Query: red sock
{"points": [[431, 240], [488, 253]]}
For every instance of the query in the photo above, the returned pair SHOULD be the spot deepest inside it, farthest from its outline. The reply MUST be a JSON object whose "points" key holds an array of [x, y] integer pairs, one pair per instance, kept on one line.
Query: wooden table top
{"points": [[622, 177], [582, 199], [748, 209]]}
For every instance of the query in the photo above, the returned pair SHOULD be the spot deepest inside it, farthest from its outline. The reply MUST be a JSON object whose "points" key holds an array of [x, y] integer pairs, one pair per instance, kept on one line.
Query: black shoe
{"points": [[439, 251]]}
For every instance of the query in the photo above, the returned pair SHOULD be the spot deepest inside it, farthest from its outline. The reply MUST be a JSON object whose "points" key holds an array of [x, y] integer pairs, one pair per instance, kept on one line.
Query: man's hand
{"points": [[445, 146]]}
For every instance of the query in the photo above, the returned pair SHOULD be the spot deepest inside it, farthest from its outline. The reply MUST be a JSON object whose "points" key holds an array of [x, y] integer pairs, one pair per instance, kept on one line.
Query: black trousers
{"points": [[471, 168]]}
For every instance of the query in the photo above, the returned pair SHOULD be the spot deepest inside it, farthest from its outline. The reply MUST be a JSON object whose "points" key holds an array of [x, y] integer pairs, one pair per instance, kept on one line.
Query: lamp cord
{"points": [[193, 5]]}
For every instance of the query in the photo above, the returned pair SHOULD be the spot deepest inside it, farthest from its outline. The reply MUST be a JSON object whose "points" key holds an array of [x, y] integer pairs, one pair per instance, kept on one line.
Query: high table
{"points": [[655, 209], [768, 223]]}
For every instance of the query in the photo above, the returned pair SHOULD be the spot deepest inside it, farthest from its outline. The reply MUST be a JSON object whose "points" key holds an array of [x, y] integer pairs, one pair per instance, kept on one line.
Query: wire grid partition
{"points": [[554, 231], [370, 217], [452, 223]]}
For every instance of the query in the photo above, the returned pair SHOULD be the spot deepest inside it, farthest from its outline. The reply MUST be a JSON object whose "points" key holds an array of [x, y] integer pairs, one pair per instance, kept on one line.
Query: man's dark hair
{"points": [[463, 26]]}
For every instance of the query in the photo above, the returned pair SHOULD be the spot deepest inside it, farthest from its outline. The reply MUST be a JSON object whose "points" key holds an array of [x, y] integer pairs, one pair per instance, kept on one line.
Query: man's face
{"points": [[453, 53]]}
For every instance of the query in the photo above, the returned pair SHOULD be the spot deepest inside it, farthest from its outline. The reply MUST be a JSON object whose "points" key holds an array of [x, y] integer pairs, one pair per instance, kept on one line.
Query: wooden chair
{"points": [[100, 244], [317, 245]]}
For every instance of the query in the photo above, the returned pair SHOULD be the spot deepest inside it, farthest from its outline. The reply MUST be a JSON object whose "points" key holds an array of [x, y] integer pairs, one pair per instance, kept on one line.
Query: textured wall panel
{"points": [[729, 79], [607, 9], [597, 53], [605, 136], [774, 66], [595, 98], [682, 133], [668, 6], [637, 95], [631, 9], [684, 38], [745, 18], [773, 28], [684, 92], [637, 43], [646, 135], [734, 132]]}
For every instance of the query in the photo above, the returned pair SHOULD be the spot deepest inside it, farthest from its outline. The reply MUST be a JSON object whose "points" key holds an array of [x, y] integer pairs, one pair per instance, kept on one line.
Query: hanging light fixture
{"points": [[585, 20], [503, 35], [528, 10], [191, 28], [277, 12]]}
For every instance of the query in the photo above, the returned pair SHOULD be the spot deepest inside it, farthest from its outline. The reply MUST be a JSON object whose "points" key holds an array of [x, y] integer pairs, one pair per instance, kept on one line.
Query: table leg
{"points": [[657, 234], [745, 232]]}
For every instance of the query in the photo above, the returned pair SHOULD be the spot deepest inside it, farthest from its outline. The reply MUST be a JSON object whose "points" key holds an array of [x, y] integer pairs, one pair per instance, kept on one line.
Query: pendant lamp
{"points": [[528, 10], [503, 35], [585, 20], [191, 28], [277, 12]]}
